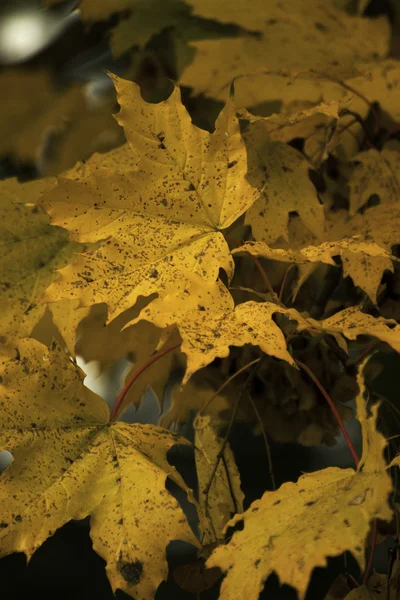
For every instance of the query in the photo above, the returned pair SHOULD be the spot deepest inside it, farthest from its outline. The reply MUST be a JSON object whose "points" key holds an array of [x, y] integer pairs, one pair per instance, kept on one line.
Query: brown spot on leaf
{"points": [[132, 572]]}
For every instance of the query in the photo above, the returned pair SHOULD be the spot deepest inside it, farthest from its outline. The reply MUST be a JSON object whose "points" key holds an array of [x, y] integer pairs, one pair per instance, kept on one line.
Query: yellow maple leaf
{"points": [[287, 27], [31, 250], [159, 216], [209, 323], [351, 322], [282, 173], [364, 244], [376, 174], [293, 530], [69, 462], [315, 123], [225, 496]]}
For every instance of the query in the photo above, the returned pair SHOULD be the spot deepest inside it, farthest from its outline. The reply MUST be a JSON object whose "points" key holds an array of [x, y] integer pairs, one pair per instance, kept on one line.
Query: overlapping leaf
{"points": [[70, 463], [376, 174], [364, 244], [298, 29], [287, 531], [161, 215], [209, 323], [31, 251], [282, 173], [224, 496]]}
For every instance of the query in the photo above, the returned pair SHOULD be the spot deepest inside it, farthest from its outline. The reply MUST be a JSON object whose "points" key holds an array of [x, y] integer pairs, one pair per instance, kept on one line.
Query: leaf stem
{"points": [[136, 374], [227, 382], [261, 270], [374, 112], [284, 281], [332, 407], [371, 554], [363, 354], [245, 387], [266, 443]]}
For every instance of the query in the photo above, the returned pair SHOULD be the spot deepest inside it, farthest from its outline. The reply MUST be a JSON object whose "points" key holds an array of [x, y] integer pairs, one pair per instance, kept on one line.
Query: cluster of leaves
{"points": [[292, 200]]}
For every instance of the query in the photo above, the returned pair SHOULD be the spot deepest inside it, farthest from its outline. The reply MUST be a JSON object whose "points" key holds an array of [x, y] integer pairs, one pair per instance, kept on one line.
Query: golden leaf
{"points": [[282, 173], [159, 216], [209, 323], [364, 244], [69, 462], [32, 250], [225, 495], [289, 526], [300, 31], [377, 174], [351, 322]]}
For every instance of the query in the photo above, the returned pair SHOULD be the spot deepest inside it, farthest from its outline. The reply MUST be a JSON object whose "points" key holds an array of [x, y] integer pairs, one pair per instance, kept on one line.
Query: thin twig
{"points": [[284, 281], [136, 374], [363, 354], [245, 387], [260, 269], [267, 447], [227, 382], [371, 554], [333, 409], [364, 98]]}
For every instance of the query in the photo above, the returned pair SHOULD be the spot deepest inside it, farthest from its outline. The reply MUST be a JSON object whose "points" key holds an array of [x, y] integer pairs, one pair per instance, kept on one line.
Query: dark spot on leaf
{"points": [[232, 164], [33, 425], [257, 562], [277, 502], [346, 523], [201, 307], [3, 525], [310, 503], [132, 572], [154, 274], [18, 518], [120, 521]]}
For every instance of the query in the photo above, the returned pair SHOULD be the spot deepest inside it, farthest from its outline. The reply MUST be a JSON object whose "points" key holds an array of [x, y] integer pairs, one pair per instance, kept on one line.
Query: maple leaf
{"points": [[282, 173], [376, 174], [288, 531], [209, 323], [351, 322], [315, 123], [32, 250], [161, 215], [225, 496], [69, 462], [287, 27], [364, 244]]}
